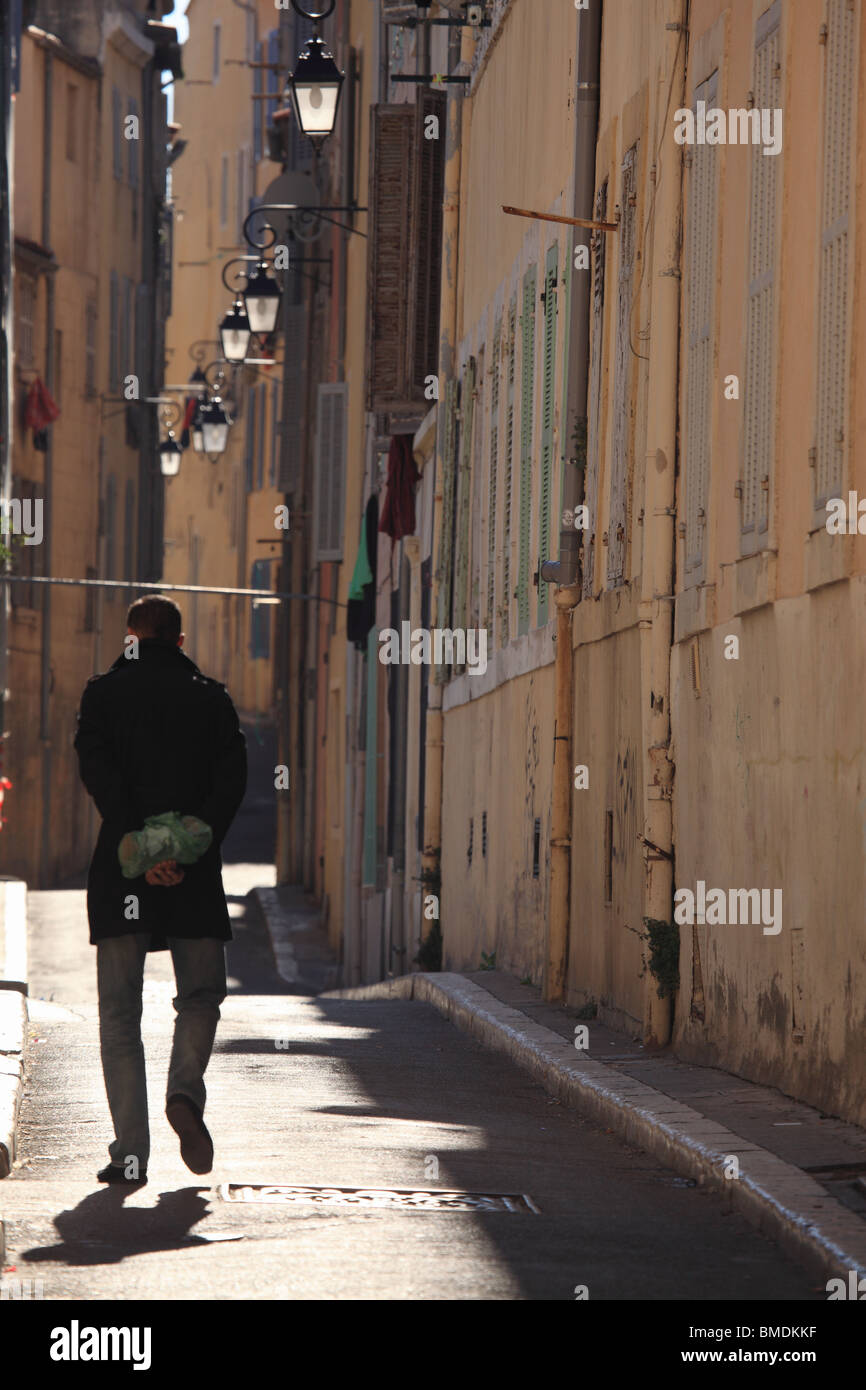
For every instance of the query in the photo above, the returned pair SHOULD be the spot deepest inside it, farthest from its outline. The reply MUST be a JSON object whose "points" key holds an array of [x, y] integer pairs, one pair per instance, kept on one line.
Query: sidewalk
{"points": [[799, 1175]]}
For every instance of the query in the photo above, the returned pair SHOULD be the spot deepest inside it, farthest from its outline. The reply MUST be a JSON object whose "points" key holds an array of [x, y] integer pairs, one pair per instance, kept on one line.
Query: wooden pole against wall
{"points": [[569, 221]]}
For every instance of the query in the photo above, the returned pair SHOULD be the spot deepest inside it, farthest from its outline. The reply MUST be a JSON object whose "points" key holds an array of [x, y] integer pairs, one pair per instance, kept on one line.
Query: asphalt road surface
{"points": [[383, 1094]]}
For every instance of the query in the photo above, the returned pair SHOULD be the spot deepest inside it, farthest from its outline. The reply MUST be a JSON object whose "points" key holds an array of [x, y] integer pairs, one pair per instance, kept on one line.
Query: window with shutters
{"points": [[260, 619], [494, 521], [113, 332], [446, 426], [330, 469], [294, 345], [224, 191], [404, 251], [462, 551], [758, 388], [90, 322], [623, 381], [129, 536], [111, 534], [117, 141], [527, 420], [26, 559], [837, 180], [598, 247], [258, 112], [132, 147], [548, 400], [508, 476], [702, 217]]}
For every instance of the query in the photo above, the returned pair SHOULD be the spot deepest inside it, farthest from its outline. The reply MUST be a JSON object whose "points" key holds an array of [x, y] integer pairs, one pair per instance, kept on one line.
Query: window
{"points": [[404, 252], [113, 333], [132, 145], [25, 290], [261, 428], [258, 112], [330, 470], [129, 536], [493, 524], [57, 383], [447, 443], [623, 377], [596, 375], [702, 216], [116, 133], [462, 538], [758, 403], [90, 348], [273, 77], [71, 121], [224, 191], [508, 478], [110, 515], [289, 443], [126, 328], [240, 192], [527, 420], [833, 346], [260, 623], [275, 433], [548, 399], [26, 559], [217, 37]]}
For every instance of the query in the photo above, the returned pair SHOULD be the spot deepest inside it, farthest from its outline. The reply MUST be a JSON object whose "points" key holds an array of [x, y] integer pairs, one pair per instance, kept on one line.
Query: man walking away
{"points": [[156, 736]]}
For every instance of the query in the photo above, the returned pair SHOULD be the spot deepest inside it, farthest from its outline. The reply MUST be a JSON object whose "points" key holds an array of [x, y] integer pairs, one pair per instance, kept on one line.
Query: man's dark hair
{"points": [[155, 616]]}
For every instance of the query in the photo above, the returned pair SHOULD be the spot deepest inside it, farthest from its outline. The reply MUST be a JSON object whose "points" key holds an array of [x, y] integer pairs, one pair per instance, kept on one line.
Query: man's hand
{"points": [[165, 874]]}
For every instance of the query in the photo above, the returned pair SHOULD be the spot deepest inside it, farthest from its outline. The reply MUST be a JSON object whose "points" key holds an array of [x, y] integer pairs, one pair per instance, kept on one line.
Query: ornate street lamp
{"points": [[316, 83], [169, 456], [214, 428], [235, 333], [262, 300]]}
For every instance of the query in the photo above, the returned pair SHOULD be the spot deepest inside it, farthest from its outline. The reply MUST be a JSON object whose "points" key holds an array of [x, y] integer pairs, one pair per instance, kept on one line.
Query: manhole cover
{"points": [[390, 1198]]}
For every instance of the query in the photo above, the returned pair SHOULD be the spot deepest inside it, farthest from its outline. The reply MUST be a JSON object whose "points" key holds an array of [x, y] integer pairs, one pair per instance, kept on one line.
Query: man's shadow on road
{"points": [[101, 1231]]}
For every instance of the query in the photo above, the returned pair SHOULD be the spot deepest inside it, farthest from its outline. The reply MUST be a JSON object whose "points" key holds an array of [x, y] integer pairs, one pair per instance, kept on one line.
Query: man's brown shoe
{"points": [[196, 1145]]}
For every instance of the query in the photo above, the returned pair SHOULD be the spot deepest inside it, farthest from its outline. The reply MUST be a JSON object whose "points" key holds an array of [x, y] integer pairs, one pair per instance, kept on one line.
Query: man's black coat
{"points": [[156, 735]]}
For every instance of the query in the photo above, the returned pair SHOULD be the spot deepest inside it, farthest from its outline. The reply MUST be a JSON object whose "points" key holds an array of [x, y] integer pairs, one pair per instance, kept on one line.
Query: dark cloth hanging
{"points": [[361, 607], [398, 513], [39, 411]]}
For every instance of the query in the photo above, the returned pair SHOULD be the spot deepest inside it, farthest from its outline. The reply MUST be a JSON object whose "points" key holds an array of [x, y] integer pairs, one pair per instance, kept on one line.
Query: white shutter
{"points": [[758, 400], [330, 470], [838, 179], [623, 374], [701, 280]]}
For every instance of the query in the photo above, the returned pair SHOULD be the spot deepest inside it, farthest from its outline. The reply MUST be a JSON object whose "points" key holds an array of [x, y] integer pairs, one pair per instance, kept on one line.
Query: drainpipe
{"points": [[433, 734], [564, 571], [48, 807], [658, 577]]}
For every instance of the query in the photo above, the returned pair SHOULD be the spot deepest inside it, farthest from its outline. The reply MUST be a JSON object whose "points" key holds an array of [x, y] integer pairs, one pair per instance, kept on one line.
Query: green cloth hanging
{"points": [[363, 574]]}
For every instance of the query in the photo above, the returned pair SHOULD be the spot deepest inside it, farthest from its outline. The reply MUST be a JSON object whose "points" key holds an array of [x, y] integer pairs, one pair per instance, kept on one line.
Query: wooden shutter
{"points": [[494, 526], [447, 423], [623, 394], [508, 488], [294, 345], [548, 397], [464, 495], [527, 393], [596, 376], [701, 281], [758, 396], [404, 252], [258, 113], [330, 469], [113, 332], [275, 435], [840, 69]]}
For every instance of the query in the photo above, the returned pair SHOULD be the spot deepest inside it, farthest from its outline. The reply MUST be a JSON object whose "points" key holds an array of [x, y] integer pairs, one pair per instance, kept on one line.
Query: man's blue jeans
{"points": [[200, 975]]}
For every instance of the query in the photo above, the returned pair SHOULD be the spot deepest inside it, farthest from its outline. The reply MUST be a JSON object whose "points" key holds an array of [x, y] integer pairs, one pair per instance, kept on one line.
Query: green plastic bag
{"points": [[168, 836]]}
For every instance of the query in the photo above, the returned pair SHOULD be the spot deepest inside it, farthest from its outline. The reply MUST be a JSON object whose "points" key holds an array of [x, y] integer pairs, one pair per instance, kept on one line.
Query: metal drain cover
{"points": [[389, 1198]]}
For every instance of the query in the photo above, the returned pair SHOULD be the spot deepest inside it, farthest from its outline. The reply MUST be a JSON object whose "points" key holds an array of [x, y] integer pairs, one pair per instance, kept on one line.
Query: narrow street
{"points": [[379, 1094]]}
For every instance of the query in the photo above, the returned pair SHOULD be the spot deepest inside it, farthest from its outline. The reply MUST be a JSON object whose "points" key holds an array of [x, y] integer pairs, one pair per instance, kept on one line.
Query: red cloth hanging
{"points": [[39, 409], [398, 513]]}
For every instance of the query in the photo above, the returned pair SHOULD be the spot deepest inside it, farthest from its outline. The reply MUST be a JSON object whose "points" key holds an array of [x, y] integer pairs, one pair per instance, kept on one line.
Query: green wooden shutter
{"points": [[527, 391], [505, 618], [493, 536], [447, 423], [548, 397], [464, 497], [566, 445]]}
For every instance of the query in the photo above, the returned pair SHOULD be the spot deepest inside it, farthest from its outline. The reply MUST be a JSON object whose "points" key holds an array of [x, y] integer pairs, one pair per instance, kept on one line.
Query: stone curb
{"points": [[13, 1014], [783, 1201]]}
